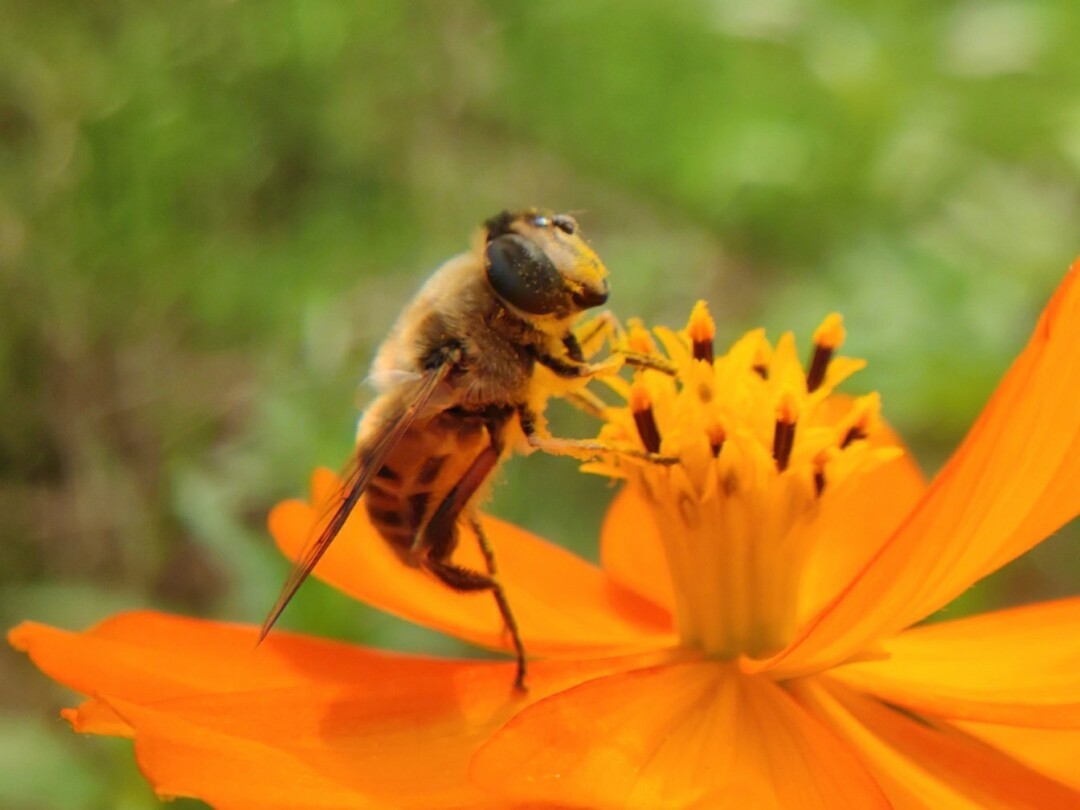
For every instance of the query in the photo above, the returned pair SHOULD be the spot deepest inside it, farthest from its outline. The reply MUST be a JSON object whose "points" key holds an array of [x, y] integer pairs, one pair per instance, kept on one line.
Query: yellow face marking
{"points": [[569, 252]]}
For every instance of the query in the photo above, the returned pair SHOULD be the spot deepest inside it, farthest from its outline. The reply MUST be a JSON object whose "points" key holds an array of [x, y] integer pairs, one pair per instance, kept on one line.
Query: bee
{"points": [[459, 385]]}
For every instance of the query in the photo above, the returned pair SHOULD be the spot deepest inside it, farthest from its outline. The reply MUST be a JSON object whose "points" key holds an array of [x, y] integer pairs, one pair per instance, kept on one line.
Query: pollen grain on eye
{"points": [[761, 443]]}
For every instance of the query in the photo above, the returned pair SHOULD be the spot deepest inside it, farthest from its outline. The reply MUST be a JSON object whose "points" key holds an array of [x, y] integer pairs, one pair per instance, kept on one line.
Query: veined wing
{"points": [[368, 460]]}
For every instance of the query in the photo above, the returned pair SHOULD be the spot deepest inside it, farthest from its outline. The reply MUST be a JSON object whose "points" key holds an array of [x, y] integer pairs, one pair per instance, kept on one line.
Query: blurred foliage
{"points": [[210, 212]]}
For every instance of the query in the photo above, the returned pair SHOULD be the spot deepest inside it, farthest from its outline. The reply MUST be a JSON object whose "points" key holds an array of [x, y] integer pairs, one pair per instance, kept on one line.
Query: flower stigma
{"points": [[762, 445]]}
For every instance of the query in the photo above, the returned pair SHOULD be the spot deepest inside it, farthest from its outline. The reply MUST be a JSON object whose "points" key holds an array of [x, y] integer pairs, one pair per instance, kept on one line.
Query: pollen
{"points": [[762, 445], [831, 333]]}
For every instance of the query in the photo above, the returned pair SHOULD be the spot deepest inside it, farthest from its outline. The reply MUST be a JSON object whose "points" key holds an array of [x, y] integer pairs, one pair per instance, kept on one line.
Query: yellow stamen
{"points": [[865, 417], [759, 453], [787, 415], [827, 339], [641, 408], [820, 460], [831, 333], [716, 435], [702, 330]]}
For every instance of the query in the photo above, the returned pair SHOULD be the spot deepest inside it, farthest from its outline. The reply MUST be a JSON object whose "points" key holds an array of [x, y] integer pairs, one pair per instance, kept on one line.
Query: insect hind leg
{"points": [[437, 541], [465, 579]]}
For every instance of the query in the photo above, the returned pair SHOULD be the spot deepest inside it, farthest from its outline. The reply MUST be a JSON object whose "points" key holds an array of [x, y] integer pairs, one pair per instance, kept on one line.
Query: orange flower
{"points": [[746, 643]]}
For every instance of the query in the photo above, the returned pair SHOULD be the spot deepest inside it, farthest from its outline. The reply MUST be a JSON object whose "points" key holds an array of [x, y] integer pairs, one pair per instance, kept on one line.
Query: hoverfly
{"points": [[455, 378]]}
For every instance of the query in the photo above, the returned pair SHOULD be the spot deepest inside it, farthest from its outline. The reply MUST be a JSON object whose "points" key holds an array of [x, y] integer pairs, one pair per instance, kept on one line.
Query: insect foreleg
{"points": [[570, 369], [651, 362], [591, 335], [588, 338]]}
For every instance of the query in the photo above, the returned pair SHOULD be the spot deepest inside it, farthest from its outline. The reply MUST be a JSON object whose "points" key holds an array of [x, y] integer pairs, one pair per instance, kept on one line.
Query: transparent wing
{"points": [[368, 460]]}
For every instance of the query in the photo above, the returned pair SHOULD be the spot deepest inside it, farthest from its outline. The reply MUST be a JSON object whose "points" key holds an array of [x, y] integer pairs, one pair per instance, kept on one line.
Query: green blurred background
{"points": [[210, 212]]}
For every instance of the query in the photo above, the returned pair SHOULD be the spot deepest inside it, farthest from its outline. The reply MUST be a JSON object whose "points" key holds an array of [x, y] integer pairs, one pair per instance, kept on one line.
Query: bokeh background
{"points": [[211, 211]]}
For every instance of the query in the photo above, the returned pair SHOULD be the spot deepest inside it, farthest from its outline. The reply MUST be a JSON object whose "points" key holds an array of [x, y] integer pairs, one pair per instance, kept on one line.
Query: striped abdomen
{"points": [[417, 476]]}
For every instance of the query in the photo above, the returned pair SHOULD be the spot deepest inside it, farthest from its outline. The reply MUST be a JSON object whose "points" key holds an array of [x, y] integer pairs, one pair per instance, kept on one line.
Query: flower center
{"points": [[760, 445]]}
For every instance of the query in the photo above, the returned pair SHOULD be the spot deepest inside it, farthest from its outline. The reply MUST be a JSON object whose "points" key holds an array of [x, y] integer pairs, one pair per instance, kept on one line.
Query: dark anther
{"points": [[647, 429], [716, 435], [783, 441], [819, 364], [703, 350], [819, 482], [761, 371], [854, 434]]}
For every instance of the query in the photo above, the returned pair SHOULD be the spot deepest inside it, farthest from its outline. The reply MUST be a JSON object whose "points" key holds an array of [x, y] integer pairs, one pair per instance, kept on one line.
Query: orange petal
{"points": [[920, 765], [1011, 483], [857, 518], [297, 722], [180, 757], [631, 551], [563, 605], [688, 735], [1019, 666], [354, 746], [1050, 751], [94, 717], [147, 656]]}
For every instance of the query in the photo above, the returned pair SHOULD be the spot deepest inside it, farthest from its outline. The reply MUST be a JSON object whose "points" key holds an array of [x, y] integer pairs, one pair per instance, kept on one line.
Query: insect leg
{"points": [[582, 448], [439, 537], [570, 369], [588, 337], [649, 362], [573, 348], [585, 400], [591, 335], [579, 448], [500, 600]]}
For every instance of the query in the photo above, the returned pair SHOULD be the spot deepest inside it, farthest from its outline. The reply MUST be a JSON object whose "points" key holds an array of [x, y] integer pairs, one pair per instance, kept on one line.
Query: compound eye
{"points": [[565, 224], [523, 276]]}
